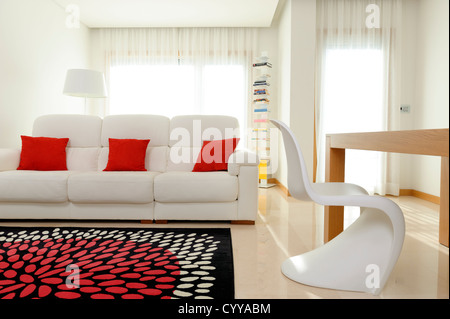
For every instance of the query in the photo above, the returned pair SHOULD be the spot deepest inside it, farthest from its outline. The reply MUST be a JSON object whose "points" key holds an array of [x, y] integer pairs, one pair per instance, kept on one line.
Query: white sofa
{"points": [[168, 190]]}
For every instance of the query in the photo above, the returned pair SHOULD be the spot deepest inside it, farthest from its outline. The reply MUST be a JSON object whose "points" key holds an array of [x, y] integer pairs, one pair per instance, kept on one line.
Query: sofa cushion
{"points": [[82, 158], [214, 155], [193, 187], [187, 133], [82, 130], [155, 158], [136, 126], [111, 187], [191, 130], [127, 154], [43, 154], [34, 186]]}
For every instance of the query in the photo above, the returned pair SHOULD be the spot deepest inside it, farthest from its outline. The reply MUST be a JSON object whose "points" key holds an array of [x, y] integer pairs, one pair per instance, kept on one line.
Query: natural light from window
{"points": [[157, 89], [224, 91], [353, 102], [172, 90]]}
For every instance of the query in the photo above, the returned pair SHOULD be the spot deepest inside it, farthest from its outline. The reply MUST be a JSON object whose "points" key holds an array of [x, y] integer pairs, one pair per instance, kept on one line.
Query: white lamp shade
{"points": [[85, 83]]}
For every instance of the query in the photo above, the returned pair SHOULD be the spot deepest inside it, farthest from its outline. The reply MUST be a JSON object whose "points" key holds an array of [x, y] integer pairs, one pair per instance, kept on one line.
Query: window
{"points": [[353, 102], [353, 90], [172, 90], [224, 91], [152, 89]]}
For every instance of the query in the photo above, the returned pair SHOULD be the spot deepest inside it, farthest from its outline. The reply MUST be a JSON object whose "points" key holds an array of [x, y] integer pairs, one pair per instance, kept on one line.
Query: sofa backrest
{"points": [[187, 133], [131, 126], [83, 132], [174, 143]]}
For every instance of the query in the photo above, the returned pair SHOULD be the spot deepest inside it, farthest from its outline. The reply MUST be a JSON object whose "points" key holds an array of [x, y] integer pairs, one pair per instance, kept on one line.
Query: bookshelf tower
{"points": [[260, 116]]}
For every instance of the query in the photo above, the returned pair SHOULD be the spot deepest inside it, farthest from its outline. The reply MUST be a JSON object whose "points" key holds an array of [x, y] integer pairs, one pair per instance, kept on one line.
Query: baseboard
{"points": [[281, 186], [403, 192], [415, 193]]}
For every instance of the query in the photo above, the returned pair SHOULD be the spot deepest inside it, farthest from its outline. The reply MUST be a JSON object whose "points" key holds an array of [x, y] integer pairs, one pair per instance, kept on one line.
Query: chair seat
{"points": [[338, 189]]}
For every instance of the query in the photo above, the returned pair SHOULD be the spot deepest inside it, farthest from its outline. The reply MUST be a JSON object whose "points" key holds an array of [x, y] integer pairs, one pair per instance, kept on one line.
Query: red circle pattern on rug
{"points": [[86, 268]]}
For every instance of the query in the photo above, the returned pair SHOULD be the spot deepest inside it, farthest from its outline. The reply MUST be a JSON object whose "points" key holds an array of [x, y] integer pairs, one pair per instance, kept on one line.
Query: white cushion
{"points": [[153, 127], [193, 187], [82, 159], [192, 130], [182, 158], [34, 186], [111, 187], [82, 130], [187, 133], [9, 159]]}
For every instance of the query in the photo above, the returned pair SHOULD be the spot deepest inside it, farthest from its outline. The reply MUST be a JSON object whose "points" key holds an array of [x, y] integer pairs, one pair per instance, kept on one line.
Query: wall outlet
{"points": [[405, 108]]}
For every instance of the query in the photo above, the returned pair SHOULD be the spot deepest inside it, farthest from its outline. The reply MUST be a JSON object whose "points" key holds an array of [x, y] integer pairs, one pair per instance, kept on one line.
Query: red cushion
{"points": [[214, 155], [126, 155], [43, 154]]}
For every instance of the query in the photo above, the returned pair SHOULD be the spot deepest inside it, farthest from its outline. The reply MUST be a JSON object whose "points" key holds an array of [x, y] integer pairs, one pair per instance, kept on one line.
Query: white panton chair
{"points": [[362, 257]]}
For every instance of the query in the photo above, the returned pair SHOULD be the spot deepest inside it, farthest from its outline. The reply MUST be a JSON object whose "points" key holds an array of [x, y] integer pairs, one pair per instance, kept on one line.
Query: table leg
{"points": [[334, 172], [443, 210]]}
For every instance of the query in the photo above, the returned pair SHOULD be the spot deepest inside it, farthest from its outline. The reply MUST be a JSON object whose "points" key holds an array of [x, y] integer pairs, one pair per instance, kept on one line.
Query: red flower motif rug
{"points": [[115, 263]]}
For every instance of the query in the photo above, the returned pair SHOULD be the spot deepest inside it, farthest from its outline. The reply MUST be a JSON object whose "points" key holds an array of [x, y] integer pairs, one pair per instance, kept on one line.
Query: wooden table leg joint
{"points": [[434, 142]]}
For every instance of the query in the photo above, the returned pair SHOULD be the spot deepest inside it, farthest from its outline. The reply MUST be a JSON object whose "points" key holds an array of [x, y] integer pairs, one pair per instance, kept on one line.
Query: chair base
{"points": [[356, 260]]}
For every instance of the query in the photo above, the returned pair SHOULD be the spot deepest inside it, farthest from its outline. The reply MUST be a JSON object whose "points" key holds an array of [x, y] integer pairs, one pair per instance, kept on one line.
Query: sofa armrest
{"points": [[241, 157], [9, 159]]}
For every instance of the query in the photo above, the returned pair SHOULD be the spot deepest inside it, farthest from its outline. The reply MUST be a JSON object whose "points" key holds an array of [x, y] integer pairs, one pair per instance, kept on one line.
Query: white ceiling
{"points": [[174, 13]]}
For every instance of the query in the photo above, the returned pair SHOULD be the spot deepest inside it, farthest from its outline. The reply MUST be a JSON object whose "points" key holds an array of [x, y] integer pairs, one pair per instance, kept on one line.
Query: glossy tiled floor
{"points": [[286, 227]]}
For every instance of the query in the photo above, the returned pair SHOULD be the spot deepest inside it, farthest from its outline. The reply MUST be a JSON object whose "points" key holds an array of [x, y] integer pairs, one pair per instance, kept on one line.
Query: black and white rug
{"points": [[115, 263]]}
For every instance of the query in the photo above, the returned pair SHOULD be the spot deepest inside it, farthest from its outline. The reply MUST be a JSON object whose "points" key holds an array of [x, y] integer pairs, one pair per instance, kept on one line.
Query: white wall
{"points": [[431, 93], [425, 81], [284, 83], [303, 57], [408, 83], [295, 26], [36, 49]]}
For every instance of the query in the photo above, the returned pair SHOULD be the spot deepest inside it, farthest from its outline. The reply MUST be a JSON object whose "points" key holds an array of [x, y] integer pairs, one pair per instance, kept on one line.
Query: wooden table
{"points": [[423, 142]]}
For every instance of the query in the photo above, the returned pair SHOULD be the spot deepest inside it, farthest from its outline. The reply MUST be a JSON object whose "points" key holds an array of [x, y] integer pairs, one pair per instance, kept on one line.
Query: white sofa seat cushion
{"points": [[111, 187], [34, 186], [195, 187]]}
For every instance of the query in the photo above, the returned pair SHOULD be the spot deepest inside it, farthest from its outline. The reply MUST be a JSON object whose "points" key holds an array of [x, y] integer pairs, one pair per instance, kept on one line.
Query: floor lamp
{"points": [[85, 83]]}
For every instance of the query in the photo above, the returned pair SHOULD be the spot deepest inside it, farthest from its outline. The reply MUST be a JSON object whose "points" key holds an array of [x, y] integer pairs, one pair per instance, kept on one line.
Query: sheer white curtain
{"points": [[357, 84], [174, 71]]}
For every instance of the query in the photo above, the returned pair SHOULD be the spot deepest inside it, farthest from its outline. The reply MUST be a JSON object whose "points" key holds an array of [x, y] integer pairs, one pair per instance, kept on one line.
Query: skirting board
{"points": [[281, 186], [428, 197], [403, 192]]}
